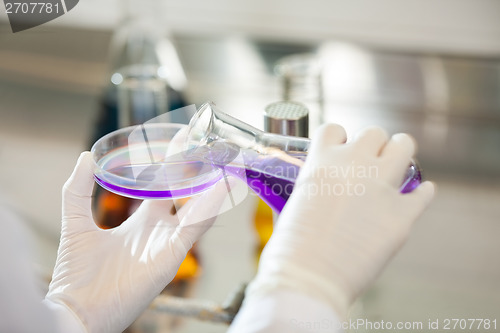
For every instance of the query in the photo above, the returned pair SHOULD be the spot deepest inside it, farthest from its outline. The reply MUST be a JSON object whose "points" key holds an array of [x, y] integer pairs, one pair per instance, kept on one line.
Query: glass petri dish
{"points": [[149, 162]]}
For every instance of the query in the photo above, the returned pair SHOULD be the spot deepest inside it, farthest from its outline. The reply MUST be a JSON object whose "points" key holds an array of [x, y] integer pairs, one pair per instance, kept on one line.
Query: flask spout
{"points": [[210, 124]]}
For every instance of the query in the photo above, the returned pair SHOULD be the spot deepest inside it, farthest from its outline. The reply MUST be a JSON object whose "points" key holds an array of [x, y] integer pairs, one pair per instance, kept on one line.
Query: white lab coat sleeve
{"points": [[285, 311], [21, 309]]}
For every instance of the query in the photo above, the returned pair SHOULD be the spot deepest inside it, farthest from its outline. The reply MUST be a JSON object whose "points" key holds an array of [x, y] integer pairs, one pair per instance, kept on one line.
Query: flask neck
{"points": [[210, 124], [284, 142]]}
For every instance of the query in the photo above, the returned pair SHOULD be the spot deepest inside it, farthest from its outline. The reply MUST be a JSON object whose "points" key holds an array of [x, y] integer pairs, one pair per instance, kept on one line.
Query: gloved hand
{"points": [[103, 279], [344, 220]]}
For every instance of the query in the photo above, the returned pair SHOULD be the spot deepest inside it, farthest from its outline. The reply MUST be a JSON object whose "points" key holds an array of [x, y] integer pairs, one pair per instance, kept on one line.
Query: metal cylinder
{"points": [[287, 118]]}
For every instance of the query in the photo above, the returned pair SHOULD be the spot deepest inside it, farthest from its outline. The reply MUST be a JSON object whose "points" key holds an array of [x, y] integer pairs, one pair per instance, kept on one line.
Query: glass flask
{"points": [[268, 163]]}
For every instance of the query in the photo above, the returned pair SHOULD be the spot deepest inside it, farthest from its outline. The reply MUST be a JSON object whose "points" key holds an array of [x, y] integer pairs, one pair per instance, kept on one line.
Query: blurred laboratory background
{"points": [[429, 68]]}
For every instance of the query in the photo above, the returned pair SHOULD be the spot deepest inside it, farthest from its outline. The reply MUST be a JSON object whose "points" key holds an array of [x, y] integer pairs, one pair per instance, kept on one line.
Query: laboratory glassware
{"points": [[144, 162], [269, 163], [154, 161]]}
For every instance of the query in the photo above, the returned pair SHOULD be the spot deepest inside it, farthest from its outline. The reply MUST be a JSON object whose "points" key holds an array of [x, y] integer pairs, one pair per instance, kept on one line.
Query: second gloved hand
{"points": [[344, 220], [103, 279]]}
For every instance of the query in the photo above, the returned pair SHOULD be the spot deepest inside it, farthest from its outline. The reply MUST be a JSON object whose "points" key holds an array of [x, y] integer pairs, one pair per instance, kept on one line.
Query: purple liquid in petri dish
{"points": [[172, 177], [155, 194]]}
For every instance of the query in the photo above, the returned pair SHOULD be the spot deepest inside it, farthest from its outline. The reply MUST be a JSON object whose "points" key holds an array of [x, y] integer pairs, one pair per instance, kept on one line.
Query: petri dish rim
{"points": [[102, 175], [116, 133]]}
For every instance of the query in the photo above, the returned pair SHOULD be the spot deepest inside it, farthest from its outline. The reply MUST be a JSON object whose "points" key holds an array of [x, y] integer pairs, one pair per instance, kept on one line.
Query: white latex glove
{"points": [[103, 279], [344, 220]]}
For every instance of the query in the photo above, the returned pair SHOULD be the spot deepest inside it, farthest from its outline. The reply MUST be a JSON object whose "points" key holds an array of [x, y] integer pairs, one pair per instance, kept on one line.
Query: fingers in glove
{"points": [[328, 135], [396, 157], [150, 213], [77, 191], [371, 140], [199, 213], [420, 198]]}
